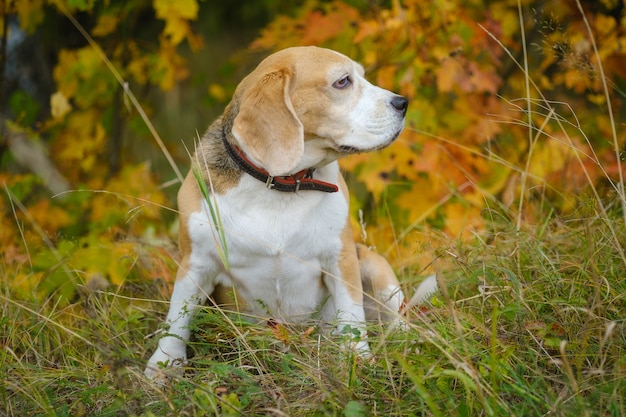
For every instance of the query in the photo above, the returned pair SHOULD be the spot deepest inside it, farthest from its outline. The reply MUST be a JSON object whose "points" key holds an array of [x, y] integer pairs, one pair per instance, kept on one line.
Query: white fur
{"points": [[277, 249]]}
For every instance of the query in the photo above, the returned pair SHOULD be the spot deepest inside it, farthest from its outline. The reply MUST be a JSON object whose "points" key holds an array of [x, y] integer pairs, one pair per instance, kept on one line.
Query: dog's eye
{"points": [[343, 82]]}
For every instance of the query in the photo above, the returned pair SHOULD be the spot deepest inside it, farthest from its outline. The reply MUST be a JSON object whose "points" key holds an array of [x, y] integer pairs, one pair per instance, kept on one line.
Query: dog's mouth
{"points": [[349, 150]]}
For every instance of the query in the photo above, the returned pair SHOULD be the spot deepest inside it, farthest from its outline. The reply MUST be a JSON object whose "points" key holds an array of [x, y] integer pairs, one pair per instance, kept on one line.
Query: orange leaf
{"points": [[322, 26], [280, 331], [367, 28], [462, 219]]}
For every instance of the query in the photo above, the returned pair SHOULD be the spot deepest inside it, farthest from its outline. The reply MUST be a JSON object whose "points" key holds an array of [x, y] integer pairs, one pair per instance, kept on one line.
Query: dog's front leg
{"points": [[343, 281], [348, 313], [190, 292]]}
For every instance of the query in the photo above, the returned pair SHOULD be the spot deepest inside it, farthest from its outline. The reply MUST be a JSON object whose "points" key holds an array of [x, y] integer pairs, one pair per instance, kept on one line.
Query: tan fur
{"points": [[349, 265], [266, 126], [377, 278], [188, 202]]}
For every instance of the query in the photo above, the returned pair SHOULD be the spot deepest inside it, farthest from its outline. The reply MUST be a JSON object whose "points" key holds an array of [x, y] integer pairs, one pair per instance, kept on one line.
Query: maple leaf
{"points": [[421, 199], [48, 216], [170, 67], [604, 25], [504, 18], [492, 181], [449, 74], [184, 9], [107, 23], [139, 68], [428, 159], [177, 14], [462, 220], [176, 29], [467, 76], [64, 71], [549, 156], [375, 174], [408, 162], [284, 31], [321, 26], [138, 180], [386, 76], [367, 29], [72, 156], [280, 331]]}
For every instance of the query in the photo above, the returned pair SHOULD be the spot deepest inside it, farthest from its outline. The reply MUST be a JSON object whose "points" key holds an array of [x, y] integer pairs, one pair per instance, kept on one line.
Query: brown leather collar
{"points": [[300, 181]]}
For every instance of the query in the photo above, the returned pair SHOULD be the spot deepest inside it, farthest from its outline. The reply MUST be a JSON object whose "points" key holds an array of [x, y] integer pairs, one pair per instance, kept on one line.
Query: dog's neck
{"points": [[300, 181]]}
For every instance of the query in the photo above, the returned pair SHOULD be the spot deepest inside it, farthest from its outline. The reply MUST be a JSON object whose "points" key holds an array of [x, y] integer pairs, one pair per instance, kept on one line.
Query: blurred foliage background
{"points": [[514, 104]]}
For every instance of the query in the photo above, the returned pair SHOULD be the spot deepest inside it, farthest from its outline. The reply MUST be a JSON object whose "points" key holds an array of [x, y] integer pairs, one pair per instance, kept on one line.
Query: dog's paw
{"points": [[161, 373], [163, 365], [355, 340], [361, 348]]}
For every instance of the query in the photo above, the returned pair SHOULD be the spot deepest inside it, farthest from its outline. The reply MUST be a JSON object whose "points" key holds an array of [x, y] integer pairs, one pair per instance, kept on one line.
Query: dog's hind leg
{"points": [[382, 296]]}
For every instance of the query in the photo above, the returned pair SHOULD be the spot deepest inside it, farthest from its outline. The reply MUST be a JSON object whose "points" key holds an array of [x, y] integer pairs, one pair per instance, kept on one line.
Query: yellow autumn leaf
{"points": [[405, 160], [375, 174], [575, 80], [385, 77], [507, 17], [139, 68], [73, 155], [461, 220], [177, 14], [185, 9], [597, 99], [48, 216], [176, 29], [90, 61], [170, 67], [370, 58], [604, 24], [447, 75], [548, 157], [217, 92], [491, 182], [59, 105], [63, 72], [107, 23], [123, 257], [422, 200], [29, 13], [367, 29], [374, 182]]}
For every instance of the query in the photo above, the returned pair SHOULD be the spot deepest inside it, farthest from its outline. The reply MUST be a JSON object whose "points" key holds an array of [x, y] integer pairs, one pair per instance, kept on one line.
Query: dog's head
{"points": [[307, 106]]}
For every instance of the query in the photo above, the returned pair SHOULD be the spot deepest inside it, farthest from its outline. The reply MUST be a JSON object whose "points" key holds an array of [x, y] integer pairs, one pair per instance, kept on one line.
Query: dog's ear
{"points": [[266, 126]]}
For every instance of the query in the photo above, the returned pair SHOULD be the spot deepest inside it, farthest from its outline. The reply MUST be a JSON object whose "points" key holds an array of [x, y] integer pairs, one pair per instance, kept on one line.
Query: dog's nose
{"points": [[400, 103]]}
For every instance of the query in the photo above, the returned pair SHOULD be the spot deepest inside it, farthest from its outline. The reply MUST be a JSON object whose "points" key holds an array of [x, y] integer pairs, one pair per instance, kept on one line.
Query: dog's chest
{"points": [[278, 245]]}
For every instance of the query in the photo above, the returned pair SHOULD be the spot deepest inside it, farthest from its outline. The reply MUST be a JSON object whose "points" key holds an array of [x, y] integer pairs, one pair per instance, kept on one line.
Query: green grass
{"points": [[529, 323]]}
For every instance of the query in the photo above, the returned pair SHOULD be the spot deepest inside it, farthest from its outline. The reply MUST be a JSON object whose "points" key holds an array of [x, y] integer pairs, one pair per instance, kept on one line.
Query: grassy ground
{"points": [[529, 322]]}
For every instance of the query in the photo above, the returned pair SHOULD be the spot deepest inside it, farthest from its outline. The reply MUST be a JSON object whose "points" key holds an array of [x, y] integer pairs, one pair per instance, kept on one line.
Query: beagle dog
{"points": [[270, 234]]}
